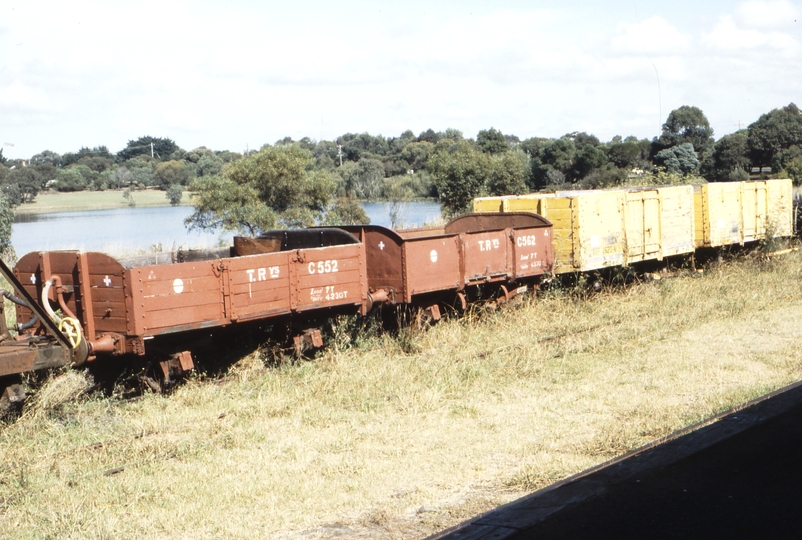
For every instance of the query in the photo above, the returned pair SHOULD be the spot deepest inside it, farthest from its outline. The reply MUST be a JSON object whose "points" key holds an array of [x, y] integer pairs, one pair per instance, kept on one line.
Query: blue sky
{"points": [[235, 75]]}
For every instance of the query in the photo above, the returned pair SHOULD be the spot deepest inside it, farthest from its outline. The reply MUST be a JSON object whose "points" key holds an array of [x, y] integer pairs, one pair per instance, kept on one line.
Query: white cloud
{"points": [[227, 74], [772, 15], [728, 37], [654, 36]]}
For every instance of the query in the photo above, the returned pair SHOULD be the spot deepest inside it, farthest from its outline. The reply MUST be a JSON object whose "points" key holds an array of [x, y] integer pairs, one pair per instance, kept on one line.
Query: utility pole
{"points": [[151, 149], [340, 153]]}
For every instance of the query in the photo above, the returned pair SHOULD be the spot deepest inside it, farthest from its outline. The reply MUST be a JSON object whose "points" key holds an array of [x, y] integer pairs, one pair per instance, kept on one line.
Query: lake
{"points": [[131, 230]]}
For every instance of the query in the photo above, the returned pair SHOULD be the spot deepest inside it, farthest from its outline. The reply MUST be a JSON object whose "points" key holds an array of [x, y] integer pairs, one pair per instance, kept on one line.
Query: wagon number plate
{"points": [[323, 267], [529, 240]]}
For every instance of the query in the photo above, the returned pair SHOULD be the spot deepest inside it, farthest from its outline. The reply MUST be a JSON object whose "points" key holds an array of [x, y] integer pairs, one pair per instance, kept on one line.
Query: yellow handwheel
{"points": [[72, 329]]}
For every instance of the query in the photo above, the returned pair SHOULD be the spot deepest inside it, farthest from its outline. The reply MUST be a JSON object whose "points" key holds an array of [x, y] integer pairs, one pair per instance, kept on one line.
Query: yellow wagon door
{"points": [[634, 227], [651, 224], [749, 216]]}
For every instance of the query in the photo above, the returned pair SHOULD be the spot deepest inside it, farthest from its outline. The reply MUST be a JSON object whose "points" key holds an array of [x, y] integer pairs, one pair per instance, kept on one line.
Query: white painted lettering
{"points": [[323, 267]]}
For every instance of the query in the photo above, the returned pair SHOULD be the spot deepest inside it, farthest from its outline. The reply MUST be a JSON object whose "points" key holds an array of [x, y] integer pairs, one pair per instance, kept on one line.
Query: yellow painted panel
{"points": [[753, 220], [722, 213], [599, 228], [487, 204], [780, 207], [520, 204]]}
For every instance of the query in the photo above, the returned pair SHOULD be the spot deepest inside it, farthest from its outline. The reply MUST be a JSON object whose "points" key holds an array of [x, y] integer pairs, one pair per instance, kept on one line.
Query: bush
{"points": [[174, 194]]}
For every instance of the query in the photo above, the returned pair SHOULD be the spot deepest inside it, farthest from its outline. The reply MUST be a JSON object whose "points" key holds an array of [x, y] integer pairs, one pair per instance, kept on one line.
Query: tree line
{"points": [[306, 182]]}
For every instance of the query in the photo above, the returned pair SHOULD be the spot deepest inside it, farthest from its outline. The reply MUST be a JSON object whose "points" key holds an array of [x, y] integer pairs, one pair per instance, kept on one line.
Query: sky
{"points": [[234, 75]]}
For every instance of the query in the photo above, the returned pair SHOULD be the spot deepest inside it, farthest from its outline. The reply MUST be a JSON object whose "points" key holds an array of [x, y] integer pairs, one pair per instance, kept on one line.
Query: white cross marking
{"points": [[107, 281], [381, 245], [33, 279]]}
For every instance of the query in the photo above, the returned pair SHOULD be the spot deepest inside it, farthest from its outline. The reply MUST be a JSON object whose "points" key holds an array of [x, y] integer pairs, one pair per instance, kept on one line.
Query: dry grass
{"points": [[377, 442]]}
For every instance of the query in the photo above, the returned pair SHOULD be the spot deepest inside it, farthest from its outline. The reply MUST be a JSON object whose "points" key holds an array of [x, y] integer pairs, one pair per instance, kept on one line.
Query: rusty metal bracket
{"points": [[309, 339], [36, 308], [12, 394], [175, 366]]}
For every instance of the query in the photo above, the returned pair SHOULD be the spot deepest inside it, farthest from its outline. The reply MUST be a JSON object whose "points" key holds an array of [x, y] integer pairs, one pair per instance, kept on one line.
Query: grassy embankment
{"points": [[400, 437], [49, 203]]}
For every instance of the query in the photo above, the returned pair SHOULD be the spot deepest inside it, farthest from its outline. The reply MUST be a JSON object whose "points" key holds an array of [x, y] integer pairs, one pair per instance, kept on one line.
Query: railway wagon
{"points": [[418, 266], [114, 307], [595, 229], [73, 307], [728, 213], [588, 228]]}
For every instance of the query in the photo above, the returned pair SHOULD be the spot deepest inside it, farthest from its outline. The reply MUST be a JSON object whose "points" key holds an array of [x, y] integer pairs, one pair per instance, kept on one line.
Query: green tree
{"points": [[46, 156], [277, 185], [773, 132], [171, 172], [365, 180], [587, 159], [3, 159], [162, 148], [398, 191], [416, 154], [555, 162], [141, 169], [74, 178], [429, 136], [209, 164], [96, 163], [174, 194], [508, 173], [686, 124], [397, 144], [491, 141], [679, 159], [604, 177], [452, 134], [346, 211], [98, 151], [363, 145], [6, 222], [624, 154], [560, 154], [228, 156], [460, 172], [729, 160], [24, 183]]}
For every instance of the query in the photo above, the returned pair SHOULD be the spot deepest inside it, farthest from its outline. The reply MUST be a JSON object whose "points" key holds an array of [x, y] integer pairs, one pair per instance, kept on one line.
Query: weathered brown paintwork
{"points": [[120, 304], [119, 308], [34, 347], [470, 250]]}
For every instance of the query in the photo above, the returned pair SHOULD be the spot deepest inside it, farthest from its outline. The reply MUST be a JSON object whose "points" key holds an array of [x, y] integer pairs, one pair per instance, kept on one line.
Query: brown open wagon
{"points": [[110, 307], [419, 266]]}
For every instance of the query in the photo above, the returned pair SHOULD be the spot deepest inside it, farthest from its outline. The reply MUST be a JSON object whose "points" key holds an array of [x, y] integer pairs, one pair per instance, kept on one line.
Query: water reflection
{"points": [[131, 230]]}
